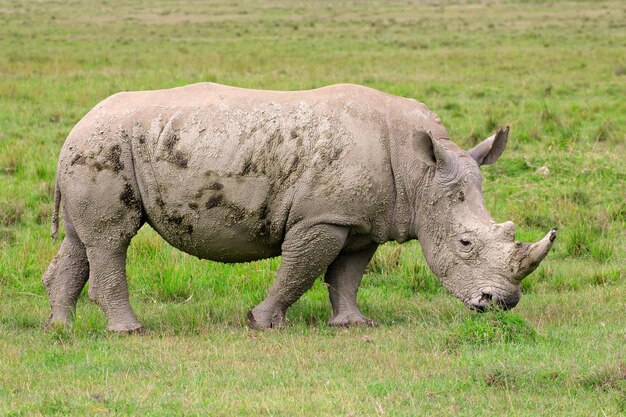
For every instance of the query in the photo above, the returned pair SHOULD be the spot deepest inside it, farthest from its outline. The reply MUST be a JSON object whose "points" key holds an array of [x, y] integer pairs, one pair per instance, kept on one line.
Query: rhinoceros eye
{"points": [[466, 247], [461, 196]]}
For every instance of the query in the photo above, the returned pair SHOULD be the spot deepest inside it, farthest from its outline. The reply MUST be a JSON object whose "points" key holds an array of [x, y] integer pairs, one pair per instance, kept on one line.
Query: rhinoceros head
{"points": [[475, 258]]}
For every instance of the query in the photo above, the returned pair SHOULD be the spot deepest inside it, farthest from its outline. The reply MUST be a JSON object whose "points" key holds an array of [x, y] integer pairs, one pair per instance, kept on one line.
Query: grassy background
{"points": [[555, 71]]}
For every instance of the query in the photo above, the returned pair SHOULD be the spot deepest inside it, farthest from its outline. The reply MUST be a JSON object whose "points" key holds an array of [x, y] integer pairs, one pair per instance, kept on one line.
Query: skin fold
{"points": [[321, 177]]}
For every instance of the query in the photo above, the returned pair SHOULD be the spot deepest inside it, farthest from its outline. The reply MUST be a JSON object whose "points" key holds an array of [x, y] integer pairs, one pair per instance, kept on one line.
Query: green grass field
{"points": [[555, 71]]}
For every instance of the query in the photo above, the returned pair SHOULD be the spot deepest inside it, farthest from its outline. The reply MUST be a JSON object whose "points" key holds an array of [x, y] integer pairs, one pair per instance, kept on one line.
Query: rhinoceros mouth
{"points": [[487, 300]]}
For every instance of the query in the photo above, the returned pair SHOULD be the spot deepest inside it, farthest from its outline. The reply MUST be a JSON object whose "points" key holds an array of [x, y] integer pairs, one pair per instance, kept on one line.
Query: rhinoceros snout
{"points": [[488, 300]]}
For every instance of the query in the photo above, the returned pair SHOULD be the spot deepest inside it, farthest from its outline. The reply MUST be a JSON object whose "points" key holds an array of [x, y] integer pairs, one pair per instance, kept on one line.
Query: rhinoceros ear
{"points": [[423, 146], [429, 150], [488, 151]]}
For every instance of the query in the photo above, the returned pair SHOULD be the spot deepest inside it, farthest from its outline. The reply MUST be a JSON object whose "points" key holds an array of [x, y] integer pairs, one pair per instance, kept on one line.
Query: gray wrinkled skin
{"points": [[321, 177]]}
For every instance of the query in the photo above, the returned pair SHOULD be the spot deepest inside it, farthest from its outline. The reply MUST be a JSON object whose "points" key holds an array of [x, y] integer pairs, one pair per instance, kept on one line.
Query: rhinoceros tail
{"points": [[54, 231]]}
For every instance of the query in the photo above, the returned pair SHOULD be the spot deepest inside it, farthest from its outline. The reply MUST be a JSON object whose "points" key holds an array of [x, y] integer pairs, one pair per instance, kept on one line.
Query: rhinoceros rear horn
{"points": [[488, 151]]}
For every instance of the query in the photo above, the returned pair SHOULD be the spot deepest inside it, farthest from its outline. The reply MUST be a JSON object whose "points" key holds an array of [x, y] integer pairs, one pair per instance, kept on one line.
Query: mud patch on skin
{"points": [[238, 197], [215, 186], [267, 159], [174, 218], [235, 213], [112, 159], [249, 167], [214, 201], [175, 156], [265, 226], [78, 159], [293, 168], [170, 142], [212, 186], [217, 177], [180, 159], [177, 222], [331, 155], [128, 197]]}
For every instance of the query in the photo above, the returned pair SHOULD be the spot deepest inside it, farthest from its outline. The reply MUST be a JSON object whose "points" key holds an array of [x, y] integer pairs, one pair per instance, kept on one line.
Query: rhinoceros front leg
{"points": [[306, 252], [343, 277]]}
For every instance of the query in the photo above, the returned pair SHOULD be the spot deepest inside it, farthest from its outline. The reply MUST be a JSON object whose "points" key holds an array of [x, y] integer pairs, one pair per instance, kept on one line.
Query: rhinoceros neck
{"points": [[412, 182], [416, 202], [413, 177]]}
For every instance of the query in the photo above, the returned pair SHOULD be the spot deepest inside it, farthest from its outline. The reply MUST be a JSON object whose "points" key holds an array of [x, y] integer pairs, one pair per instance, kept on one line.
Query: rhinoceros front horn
{"points": [[530, 255]]}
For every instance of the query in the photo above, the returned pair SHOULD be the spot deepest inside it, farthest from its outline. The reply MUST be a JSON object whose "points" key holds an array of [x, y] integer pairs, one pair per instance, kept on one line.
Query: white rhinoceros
{"points": [[321, 177]]}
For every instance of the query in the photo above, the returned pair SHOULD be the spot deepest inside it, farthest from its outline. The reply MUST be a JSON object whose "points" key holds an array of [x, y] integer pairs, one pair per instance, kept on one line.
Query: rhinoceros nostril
{"points": [[482, 304], [479, 308], [486, 298]]}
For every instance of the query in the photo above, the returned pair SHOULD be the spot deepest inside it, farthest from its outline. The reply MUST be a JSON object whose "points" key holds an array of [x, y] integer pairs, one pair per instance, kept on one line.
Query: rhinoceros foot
{"points": [[127, 328], [57, 321], [351, 319], [266, 318]]}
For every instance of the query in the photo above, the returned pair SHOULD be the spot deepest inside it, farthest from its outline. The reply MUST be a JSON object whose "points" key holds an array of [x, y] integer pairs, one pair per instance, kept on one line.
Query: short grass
{"points": [[555, 71]]}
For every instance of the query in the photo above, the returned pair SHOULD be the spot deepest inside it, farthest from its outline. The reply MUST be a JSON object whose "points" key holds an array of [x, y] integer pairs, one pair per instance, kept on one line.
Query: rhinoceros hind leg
{"points": [[306, 252], [105, 206], [65, 277], [343, 278], [109, 289]]}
